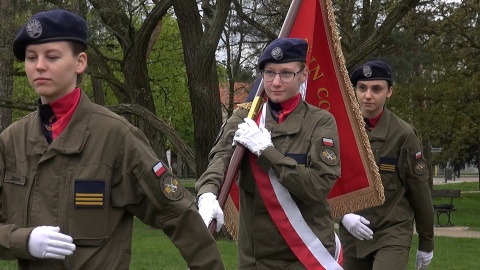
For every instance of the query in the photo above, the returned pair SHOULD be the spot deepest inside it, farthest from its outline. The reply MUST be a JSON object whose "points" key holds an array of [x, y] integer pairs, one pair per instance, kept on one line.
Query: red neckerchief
{"points": [[287, 107], [372, 122], [57, 114]]}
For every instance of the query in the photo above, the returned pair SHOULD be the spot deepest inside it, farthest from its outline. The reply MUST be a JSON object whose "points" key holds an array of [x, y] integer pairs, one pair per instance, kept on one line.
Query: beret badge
{"points": [[367, 71], [34, 28], [277, 53]]}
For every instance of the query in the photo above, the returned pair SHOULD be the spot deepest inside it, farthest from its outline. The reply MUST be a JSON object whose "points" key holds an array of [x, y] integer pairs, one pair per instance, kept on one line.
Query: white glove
{"points": [[254, 138], [210, 209], [423, 259], [357, 226], [46, 242]]}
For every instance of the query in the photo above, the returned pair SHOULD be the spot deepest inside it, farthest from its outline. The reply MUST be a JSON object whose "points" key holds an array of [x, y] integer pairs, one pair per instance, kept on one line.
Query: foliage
{"points": [[436, 83], [168, 78], [432, 50]]}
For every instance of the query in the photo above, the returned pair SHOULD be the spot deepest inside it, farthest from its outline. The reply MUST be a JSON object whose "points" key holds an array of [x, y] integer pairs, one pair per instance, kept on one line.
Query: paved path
{"points": [[441, 180], [457, 231]]}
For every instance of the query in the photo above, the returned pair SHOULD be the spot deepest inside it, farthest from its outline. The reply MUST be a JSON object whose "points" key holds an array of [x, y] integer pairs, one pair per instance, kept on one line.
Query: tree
{"points": [[7, 33], [200, 42], [363, 28], [124, 34]]}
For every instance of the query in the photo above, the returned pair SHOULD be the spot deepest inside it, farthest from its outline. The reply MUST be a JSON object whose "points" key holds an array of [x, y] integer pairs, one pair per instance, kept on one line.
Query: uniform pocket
{"points": [[389, 180], [89, 212], [14, 192]]}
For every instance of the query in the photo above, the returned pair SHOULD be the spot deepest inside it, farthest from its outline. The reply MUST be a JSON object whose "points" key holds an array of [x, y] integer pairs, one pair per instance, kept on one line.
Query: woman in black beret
{"points": [[291, 164], [380, 237]]}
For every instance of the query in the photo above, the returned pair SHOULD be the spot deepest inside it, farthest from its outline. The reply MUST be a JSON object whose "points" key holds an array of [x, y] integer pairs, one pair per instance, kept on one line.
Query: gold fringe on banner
{"points": [[231, 218], [368, 197]]}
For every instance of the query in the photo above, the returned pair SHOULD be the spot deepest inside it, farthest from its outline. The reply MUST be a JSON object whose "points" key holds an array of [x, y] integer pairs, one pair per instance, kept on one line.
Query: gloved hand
{"points": [[357, 226], [254, 138], [210, 209], [423, 259], [46, 242]]}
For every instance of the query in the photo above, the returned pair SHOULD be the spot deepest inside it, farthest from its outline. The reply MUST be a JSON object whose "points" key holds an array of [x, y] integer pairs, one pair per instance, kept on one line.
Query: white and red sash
{"points": [[289, 221]]}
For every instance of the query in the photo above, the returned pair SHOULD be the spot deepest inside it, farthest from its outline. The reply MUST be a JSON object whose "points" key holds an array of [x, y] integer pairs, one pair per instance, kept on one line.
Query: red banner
{"points": [[329, 88]]}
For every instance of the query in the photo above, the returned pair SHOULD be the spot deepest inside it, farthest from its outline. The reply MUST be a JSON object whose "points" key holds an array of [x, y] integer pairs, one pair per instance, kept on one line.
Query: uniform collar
{"points": [[71, 140], [291, 125], [381, 128]]}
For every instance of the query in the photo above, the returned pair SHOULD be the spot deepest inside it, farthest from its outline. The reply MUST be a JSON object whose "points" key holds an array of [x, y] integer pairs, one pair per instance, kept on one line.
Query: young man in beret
{"points": [[74, 174], [380, 237], [290, 165]]}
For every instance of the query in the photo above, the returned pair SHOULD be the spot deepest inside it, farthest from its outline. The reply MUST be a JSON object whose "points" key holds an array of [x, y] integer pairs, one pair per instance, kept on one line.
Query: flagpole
{"points": [[236, 159]]}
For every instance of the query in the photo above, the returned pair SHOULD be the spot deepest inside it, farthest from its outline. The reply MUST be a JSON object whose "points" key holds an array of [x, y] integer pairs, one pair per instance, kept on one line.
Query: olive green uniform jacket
{"points": [[101, 154], [398, 154], [297, 160]]}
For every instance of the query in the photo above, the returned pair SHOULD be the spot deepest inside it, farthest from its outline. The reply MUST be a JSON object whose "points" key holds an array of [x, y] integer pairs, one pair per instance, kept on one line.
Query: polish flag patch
{"points": [[159, 169], [418, 155], [327, 142]]}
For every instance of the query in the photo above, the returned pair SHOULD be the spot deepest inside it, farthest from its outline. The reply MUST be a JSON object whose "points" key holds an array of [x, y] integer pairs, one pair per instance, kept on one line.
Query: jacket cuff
{"points": [[19, 243], [425, 245], [268, 158], [208, 188]]}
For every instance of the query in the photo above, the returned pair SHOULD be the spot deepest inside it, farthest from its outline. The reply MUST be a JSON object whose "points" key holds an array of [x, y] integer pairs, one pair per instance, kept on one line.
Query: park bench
{"points": [[446, 206]]}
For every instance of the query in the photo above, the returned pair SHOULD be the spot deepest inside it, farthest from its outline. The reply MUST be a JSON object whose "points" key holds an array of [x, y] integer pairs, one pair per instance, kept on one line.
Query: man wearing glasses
{"points": [[290, 166]]}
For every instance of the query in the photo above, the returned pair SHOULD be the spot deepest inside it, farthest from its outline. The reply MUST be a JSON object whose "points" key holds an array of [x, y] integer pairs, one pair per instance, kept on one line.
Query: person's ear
{"points": [[81, 63], [390, 92], [304, 75]]}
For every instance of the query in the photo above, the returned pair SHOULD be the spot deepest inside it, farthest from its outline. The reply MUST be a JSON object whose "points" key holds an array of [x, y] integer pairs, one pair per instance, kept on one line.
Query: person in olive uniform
{"points": [[380, 237], [74, 174], [290, 166]]}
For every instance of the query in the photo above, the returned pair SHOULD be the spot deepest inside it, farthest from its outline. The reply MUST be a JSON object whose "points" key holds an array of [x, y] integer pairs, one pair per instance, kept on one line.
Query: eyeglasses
{"points": [[285, 76]]}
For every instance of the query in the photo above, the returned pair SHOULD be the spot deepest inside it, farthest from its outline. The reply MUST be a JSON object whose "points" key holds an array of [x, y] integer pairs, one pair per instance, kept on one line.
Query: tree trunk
{"points": [[199, 54], [98, 92], [135, 46], [7, 33]]}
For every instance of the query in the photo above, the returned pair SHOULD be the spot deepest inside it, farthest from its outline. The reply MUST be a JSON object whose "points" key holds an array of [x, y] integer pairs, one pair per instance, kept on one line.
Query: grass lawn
{"points": [[151, 249], [463, 186]]}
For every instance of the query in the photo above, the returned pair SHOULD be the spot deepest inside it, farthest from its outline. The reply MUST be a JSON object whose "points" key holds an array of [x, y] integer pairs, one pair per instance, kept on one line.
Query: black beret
{"points": [[370, 71], [49, 26], [283, 50]]}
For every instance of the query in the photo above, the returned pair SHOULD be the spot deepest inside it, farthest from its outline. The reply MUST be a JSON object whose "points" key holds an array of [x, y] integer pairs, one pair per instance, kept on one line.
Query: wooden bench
{"points": [[445, 208]]}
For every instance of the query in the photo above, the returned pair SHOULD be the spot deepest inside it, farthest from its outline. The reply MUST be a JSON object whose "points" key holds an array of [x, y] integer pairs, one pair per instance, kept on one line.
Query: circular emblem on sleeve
{"points": [[420, 167], [329, 156], [171, 188]]}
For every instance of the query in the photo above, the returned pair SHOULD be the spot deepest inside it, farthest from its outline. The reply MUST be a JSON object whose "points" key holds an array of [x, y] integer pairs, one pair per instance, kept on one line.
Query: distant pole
{"points": [[169, 159], [445, 172]]}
